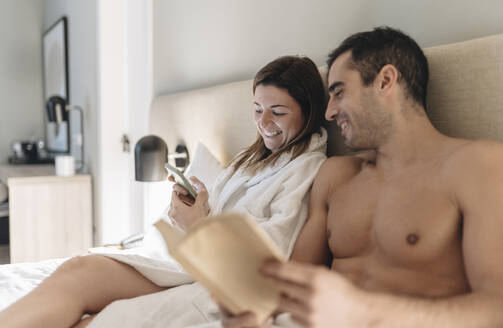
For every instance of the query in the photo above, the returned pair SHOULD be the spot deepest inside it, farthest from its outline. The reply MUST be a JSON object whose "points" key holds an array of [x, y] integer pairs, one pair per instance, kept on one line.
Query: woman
{"points": [[270, 181]]}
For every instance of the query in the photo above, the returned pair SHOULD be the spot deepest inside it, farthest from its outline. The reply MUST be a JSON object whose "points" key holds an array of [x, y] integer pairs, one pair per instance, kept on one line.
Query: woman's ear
{"points": [[387, 78]]}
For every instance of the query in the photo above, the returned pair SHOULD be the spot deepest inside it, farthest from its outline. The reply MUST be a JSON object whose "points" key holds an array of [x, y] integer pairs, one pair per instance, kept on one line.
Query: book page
{"points": [[224, 253]]}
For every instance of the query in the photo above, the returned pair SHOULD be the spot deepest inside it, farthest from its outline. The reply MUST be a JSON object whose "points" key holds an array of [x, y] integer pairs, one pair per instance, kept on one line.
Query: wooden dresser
{"points": [[49, 216]]}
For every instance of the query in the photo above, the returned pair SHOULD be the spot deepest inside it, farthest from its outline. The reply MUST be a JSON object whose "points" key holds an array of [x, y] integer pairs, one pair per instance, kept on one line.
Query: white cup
{"points": [[65, 166]]}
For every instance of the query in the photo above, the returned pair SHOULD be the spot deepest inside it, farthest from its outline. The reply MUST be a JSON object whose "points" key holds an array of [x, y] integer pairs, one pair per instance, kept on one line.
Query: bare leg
{"points": [[84, 284]]}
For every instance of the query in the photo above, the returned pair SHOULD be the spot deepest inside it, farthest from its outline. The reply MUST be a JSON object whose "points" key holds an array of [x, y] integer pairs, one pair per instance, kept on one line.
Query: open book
{"points": [[224, 253]]}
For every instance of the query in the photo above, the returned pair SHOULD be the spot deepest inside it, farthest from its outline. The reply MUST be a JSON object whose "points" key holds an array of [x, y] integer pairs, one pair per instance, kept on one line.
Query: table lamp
{"points": [[150, 156], [58, 111]]}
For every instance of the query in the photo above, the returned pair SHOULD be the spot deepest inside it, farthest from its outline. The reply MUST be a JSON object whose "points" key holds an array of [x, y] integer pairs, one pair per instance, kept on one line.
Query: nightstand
{"points": [[49, 216]]}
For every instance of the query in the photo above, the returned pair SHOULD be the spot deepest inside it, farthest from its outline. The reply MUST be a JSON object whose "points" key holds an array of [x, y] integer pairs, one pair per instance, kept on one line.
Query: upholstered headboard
{"points": [[465, 99], [465, 95]]}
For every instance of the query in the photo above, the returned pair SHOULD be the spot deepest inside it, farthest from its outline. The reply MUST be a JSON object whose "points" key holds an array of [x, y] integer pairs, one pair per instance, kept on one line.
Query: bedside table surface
{"points": [[29, 170]]}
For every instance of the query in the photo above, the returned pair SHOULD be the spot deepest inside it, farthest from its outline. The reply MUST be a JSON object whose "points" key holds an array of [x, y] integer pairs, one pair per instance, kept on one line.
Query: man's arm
{"points": [[318, 297], [312, 245]]}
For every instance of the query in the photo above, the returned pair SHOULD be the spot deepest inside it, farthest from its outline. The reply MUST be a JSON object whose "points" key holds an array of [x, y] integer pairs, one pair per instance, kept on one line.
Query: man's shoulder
{"points": [[335, 172], [479, 152], [341, 168], [475, 177], [474, 161]]}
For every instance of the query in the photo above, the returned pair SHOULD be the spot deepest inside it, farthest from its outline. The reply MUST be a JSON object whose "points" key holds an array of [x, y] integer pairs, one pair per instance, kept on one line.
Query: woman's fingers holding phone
{"points": [[187, 199], [197, 184], [177, 187], [180, 190]]}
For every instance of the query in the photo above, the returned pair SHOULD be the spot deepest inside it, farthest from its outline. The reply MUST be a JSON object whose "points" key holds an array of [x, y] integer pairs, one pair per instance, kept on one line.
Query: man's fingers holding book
{"points": [[242, 320], [293, 273]]}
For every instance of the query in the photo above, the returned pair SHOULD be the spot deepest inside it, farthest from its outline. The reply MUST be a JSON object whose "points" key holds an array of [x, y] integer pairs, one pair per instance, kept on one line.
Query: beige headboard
{"points": [[465, 99]]}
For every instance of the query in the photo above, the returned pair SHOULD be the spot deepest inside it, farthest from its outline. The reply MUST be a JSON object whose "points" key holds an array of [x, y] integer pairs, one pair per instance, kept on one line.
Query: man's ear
{"points": [[387, 78]]}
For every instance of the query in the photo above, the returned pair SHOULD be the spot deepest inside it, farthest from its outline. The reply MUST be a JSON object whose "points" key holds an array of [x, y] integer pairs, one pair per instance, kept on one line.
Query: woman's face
{"points": [[277, 115]]}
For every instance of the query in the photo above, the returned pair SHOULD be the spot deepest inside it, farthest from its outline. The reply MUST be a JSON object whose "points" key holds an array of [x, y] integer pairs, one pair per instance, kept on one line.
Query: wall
{"points": [[124, 100], [139, 90], [83, 68], [202, 43], [21, 110], [110, 76]]}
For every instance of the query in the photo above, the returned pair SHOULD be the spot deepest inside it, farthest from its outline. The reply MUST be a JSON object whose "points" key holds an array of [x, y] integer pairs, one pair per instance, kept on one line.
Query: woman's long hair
{"points": [[301, 78]]}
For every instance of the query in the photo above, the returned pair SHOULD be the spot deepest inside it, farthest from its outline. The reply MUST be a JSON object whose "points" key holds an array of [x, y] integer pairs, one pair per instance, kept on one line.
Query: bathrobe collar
{"points": [[229, 182]]}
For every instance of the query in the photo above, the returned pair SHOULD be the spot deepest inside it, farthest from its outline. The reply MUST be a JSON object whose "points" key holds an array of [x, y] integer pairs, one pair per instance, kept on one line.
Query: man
{"points": [[414, 236]]}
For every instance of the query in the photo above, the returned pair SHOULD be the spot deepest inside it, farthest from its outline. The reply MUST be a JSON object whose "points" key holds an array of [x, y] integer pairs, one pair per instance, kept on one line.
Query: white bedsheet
{"points": [[16, 280], [184, 306]]}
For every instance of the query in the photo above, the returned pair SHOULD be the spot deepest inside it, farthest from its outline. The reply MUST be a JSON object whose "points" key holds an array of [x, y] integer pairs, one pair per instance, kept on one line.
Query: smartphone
{"points": [[181, 179]]}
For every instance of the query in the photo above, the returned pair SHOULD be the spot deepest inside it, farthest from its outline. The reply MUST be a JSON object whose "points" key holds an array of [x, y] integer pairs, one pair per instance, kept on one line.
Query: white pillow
{"points": [[203, 165]]}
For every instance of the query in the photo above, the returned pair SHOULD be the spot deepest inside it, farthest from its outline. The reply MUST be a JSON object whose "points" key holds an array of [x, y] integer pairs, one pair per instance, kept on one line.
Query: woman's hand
{"points": [[184, 211]]}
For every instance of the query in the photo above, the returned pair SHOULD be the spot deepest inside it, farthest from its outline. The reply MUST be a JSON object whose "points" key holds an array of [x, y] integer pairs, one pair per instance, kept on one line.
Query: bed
{"points": [[465, 99]]}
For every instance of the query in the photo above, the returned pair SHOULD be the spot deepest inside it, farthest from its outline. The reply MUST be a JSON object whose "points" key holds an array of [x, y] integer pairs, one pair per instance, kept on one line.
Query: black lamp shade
{"points": [[150, 155], [55, 107]]}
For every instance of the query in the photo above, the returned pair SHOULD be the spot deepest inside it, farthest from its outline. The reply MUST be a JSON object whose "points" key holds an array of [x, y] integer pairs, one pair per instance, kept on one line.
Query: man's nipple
{"points": [[412, 239]]}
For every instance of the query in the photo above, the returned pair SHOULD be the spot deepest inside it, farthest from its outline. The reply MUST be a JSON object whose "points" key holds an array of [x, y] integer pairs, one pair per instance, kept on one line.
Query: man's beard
{"points": [[370, 127]]}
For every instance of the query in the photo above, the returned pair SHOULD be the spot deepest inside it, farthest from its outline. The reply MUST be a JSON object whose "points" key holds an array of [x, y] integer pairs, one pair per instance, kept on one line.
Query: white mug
{"points": [[65, 166]]}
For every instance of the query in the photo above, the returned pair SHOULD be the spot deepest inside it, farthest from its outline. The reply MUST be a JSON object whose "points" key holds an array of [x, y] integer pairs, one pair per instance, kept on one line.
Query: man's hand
{"points": [[185, 212], [243, 320], [316, 296]]}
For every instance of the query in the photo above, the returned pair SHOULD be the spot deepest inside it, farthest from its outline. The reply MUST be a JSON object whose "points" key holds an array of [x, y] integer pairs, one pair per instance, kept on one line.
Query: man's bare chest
{"points": [[408, 220]]}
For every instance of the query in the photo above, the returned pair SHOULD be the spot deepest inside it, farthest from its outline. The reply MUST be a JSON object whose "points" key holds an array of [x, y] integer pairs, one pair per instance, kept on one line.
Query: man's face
{"points": [[364, 122]]}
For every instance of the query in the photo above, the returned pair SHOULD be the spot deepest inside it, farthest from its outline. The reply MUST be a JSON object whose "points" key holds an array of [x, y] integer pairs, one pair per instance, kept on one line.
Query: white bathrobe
{"points": [[277, 197]]}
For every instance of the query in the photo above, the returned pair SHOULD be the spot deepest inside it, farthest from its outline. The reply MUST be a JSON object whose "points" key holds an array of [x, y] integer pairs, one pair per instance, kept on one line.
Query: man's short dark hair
{"points": [[372, 50]]}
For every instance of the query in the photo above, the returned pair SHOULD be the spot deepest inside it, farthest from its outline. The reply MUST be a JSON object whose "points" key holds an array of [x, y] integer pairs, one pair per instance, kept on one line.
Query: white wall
{"points": [[22, 108], [139, 90], [125, 95], [111, 77], [201, 43], [83, 79], [113, 220], [82, 63]]}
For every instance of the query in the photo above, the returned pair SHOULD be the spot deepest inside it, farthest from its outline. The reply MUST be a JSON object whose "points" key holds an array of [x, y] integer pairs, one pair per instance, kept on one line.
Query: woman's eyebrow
{"points": [[272, 106]]}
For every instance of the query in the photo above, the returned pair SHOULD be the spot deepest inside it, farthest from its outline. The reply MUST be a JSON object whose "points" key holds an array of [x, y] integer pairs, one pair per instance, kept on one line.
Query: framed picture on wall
{"points": [[55, 65]]}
